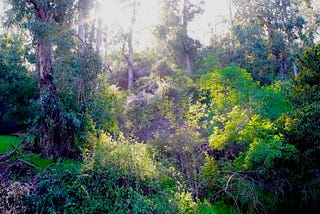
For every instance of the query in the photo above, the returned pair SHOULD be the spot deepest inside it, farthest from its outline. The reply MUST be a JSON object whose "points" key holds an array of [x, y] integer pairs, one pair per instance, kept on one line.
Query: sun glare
{"points": [[115, 14], [110, 13]]}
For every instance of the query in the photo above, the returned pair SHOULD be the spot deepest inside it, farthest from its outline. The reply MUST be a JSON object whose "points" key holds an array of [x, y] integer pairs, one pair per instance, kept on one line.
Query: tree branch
{"points": [[39, 10]]}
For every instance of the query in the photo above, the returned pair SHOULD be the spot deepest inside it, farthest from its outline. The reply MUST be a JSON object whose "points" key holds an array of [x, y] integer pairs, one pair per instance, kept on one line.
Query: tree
{"points": [[173, 32], [43, 19], [282, 26], [17, 86], [129, 56], [300, 128]]}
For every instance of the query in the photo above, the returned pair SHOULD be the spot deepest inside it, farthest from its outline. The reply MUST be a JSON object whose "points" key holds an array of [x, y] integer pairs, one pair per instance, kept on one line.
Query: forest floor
{"points": [[19, 173]]}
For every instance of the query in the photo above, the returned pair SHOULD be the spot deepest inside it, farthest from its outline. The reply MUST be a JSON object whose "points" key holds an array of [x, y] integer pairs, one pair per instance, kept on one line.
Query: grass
{"points": [[39, 163], [7, 143]]}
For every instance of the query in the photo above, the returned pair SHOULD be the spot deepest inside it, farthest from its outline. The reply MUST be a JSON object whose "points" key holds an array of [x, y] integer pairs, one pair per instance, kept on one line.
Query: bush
{"points": [[118, 177]]}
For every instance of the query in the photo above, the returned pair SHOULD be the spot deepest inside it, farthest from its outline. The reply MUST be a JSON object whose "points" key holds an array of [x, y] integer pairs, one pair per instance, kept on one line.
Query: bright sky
{"points": [[148, 12]]}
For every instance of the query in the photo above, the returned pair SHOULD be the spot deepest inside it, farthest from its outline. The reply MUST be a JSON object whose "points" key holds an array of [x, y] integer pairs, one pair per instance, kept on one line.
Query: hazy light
{"points": [[115, 13]]}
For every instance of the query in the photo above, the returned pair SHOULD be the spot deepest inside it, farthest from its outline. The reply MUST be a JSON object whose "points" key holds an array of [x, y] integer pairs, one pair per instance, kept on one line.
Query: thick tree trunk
{"points": [[50, 141], [82, 24]]}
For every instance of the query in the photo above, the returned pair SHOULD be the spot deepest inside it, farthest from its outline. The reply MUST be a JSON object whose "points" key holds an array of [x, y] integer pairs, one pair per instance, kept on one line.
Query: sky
{"points": [[112, 12], [148, 15]]}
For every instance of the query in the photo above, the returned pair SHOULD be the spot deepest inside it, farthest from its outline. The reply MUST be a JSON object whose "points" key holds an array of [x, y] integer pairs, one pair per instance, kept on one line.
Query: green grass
{"points": [[7, 143], [39, 163]]}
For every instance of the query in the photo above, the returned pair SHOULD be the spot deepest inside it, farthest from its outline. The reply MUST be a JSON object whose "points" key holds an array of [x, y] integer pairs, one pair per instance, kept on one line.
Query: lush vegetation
{"points": [[90, 125]]}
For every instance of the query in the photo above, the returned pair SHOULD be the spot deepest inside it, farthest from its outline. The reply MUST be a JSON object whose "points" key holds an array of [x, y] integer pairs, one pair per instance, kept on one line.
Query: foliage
{"points": [[230, 137], [266, 37], [300, 128], [234, 100], [218, 207], [241, 114], [173, 40], [118, 177], [144, 114], [17, 86]]}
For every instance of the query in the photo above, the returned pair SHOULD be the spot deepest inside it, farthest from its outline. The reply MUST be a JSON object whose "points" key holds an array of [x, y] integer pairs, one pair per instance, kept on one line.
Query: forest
{"points": [[159, 106]]}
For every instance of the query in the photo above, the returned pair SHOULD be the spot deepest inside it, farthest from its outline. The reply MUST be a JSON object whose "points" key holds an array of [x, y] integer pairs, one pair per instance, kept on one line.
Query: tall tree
{"points": [[173, 32], [43, 19], [281, 25], [83, 19], [130, 46]]}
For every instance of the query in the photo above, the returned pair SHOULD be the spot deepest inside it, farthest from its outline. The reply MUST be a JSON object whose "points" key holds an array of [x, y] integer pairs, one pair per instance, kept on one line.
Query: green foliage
{"points": [[118, 177], [266, 37], [252, 53], [17, 85], [242, 114], [174, 42], [235, 100], [300, 128], [218, 207], [235, 189]]}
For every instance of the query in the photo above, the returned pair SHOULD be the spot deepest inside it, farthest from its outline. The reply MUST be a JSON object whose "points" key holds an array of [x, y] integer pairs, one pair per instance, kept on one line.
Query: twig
{"points": [[27, 163]]}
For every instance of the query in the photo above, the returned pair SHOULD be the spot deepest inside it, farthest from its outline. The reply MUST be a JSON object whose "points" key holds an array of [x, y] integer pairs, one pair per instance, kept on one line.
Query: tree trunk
{"points": [[106, 60], [185, 37], [233, 44], [188, 63], [130, 65], [130, 47], [50, 142], [83, 37], [99, 38], [82, 4], [294, 65]]}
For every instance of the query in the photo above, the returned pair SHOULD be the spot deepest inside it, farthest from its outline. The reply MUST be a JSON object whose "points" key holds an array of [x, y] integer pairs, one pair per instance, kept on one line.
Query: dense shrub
{"points": [[17, 86], [118, 177]]}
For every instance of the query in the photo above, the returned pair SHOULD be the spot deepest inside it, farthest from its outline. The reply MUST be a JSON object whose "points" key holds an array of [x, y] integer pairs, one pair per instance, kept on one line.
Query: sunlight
{"points": [[111, 13], [116, 14]]}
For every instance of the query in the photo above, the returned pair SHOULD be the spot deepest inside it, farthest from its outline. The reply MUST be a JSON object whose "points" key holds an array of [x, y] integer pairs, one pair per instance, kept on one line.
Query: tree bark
{"points": [[51, 113], [51, 143]]}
